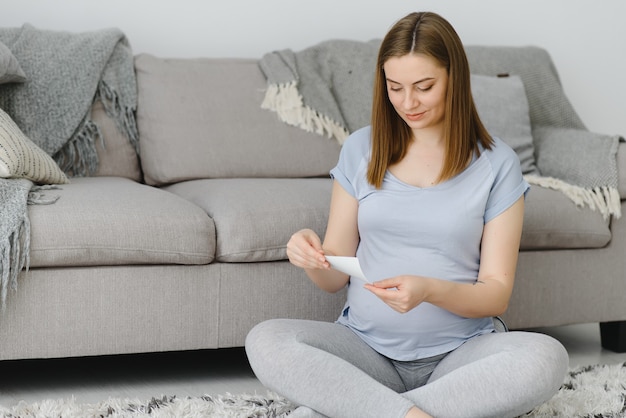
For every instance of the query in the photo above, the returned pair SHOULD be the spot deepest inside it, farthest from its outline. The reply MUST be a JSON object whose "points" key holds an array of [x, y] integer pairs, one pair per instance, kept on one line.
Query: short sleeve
{"points": [[352, 160], [508, 184]]}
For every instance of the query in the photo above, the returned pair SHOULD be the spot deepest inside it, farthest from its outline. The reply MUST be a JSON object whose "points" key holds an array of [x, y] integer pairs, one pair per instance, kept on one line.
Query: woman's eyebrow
{"points": [[417, 82]]}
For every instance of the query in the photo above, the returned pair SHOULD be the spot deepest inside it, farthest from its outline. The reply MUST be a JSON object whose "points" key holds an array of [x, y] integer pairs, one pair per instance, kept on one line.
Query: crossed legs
{"points": [[331, 371]]}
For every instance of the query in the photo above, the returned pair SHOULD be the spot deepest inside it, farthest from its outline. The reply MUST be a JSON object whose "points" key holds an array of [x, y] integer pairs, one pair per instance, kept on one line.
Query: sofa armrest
{"points": [[621, 169]]}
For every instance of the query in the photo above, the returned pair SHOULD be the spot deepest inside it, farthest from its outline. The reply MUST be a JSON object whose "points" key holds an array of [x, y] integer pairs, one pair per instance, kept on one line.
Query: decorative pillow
{"points": [[10, 70], [503, 107], [22, 158]]}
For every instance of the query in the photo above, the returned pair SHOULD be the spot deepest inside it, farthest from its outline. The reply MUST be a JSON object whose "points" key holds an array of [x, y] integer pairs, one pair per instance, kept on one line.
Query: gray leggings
{"points": [[328, 369]]}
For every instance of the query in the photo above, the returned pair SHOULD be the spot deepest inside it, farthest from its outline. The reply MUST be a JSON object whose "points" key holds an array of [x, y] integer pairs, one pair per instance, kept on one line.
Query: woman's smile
{"points": [[414, 117]]}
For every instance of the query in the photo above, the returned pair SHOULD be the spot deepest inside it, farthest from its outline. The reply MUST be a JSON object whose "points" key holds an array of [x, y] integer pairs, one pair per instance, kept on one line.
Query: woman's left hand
{"points": [[401, 293]]}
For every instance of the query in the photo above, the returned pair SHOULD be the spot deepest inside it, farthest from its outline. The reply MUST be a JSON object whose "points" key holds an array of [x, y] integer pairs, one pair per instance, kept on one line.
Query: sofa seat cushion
{"points": [[553, 221], [254, 218], [101, 221]]}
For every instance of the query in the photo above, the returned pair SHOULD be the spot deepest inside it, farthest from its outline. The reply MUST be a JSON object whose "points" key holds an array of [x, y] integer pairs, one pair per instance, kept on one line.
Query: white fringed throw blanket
{"points": [[327, 89], [65, 73]]}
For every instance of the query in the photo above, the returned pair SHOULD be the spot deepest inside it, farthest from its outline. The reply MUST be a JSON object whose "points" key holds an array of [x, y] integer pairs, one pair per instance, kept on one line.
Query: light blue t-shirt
{"points": [[433, 232]]}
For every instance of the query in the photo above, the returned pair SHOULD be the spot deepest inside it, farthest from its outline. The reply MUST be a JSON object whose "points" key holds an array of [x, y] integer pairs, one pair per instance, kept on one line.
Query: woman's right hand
{"points": [[304, 250]]}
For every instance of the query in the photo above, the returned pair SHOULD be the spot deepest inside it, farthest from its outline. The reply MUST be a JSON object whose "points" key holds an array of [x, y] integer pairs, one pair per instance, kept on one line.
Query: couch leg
{"points": [[613, 336]]}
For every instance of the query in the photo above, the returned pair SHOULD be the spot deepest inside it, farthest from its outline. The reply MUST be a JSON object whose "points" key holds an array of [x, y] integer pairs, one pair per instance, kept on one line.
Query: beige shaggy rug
{"points": [[591, 392]]}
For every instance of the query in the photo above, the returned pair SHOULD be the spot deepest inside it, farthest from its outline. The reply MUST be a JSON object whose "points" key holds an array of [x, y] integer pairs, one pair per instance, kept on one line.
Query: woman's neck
{"points": [[428, 138]]}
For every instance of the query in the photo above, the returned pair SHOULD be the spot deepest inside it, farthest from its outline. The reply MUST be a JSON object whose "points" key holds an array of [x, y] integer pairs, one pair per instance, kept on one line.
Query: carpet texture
{"points": [[227, 406], [597, 391]]}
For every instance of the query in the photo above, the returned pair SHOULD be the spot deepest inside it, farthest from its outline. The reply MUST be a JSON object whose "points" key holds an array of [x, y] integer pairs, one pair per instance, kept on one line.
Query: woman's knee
{"points": [[538, 361], [540, 355], [535, 359], [263, 331], [266, 347], [266, 337], [543, 365], [550, 359]]}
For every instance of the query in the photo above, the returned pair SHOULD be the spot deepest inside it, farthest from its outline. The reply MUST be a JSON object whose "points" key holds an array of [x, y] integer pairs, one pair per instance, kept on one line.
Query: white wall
{"points": [[586, 38]]}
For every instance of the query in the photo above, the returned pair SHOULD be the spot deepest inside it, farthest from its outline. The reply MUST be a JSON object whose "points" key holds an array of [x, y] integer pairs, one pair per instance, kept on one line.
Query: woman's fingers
{"points": [[304, 249]]}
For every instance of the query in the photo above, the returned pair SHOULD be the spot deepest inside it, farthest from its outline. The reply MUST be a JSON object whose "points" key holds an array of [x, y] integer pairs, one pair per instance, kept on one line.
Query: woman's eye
{"points": [[424, 88], [395, 89]]}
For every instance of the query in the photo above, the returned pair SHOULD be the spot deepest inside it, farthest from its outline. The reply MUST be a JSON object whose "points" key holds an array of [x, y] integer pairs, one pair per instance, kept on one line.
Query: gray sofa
{"points": [[182, 247]]}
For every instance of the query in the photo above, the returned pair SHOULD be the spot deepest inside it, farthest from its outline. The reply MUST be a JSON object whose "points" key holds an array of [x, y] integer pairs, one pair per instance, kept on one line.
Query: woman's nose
{"points": [[410, 100]]}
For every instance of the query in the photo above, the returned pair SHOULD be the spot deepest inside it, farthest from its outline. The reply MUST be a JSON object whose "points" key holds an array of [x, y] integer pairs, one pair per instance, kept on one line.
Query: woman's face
{"points": [[416, 85]]}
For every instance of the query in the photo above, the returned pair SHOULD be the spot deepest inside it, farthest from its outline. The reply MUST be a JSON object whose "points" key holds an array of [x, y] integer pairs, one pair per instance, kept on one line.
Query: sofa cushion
{"points": [[101, 221], [254, 218], [202, 118], [503, 108], [553, 221]]}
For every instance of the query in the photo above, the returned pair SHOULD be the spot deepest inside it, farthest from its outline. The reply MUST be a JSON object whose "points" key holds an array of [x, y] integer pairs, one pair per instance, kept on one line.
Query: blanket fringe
{"points": [[15, 257], [605, 199], [15, 249], [79, 156], [124, 116], [286, 101], [37, 197]]}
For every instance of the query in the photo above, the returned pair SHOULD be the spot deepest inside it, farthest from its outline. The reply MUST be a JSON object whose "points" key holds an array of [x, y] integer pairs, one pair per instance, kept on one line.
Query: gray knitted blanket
{"points": [[327, 89], [65, 73], [324, 89], [14, 228]]}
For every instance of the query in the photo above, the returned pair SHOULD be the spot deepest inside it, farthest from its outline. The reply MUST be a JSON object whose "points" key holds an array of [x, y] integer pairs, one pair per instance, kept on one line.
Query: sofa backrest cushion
{"points": [[202, 118]]}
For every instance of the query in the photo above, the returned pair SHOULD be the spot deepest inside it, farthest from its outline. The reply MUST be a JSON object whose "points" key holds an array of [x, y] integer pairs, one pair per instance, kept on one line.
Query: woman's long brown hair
{"points": [[431, 35]]}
